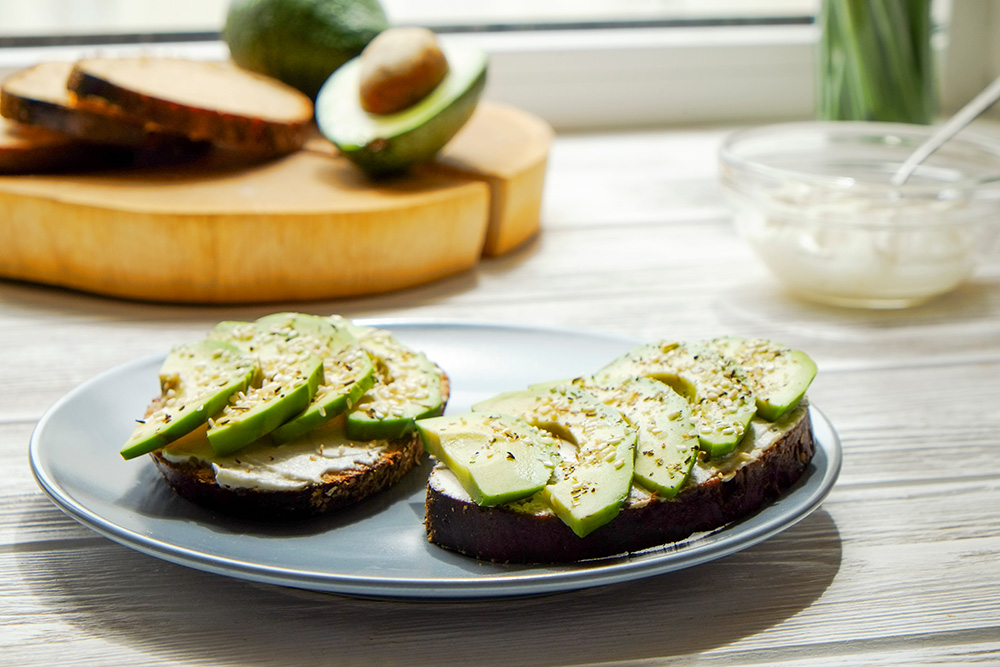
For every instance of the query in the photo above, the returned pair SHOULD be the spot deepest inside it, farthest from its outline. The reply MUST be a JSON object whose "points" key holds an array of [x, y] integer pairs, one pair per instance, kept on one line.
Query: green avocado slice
{"points": [[667, 444], [722, 402], [291, 375], [496, 458], [387, 144], [407, 387], [778, 375], [348, 373], [590, 487], [196, 381], [359, 331]]}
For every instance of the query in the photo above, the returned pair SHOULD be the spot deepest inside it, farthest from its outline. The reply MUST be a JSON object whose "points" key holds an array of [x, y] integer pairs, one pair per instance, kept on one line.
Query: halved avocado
{"points": [[386, 144]]}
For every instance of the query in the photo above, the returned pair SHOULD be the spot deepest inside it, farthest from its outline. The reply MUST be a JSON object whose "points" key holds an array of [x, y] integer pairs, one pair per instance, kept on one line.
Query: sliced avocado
{"points": [[359, 331], [722, 402], [348, 372], [196, 381], [292, 373], [778, 375], [496, 458], [387, 144], [667, 444], [407, 387], [589, 489]]}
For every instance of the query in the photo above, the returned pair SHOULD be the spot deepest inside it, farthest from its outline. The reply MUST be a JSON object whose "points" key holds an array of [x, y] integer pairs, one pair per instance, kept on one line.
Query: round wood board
{"points": [[305, 226]]}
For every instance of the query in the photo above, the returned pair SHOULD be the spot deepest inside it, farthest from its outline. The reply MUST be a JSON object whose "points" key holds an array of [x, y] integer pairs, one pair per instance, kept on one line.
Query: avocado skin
{"points": [[388, 156], [300, 42]]}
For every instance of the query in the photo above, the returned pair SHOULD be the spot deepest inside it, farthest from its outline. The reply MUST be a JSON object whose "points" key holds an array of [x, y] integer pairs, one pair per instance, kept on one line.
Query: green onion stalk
{"points": [[875, 61]]}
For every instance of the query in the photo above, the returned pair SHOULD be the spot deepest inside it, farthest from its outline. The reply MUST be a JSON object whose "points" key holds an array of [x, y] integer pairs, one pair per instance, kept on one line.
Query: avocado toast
{"points": [[706, 434], [256, 420]]}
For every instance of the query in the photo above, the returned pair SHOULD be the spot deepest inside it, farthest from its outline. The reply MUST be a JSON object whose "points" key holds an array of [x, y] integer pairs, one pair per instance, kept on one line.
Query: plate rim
{"points": [[801, 501]]}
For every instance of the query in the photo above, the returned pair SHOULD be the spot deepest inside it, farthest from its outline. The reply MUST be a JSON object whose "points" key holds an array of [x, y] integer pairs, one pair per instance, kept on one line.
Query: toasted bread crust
{"points": [[196, 482], [502, 535]]}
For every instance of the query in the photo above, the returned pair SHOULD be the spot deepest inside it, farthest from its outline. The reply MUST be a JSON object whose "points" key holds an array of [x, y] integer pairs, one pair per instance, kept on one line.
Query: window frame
{"points": [[620, 78]]}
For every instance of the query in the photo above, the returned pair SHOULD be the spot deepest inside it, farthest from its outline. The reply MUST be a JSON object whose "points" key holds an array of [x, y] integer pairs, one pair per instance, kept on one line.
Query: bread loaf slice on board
{"points": [[24, 148], [205, 101], [37, 96], [768, 462]]}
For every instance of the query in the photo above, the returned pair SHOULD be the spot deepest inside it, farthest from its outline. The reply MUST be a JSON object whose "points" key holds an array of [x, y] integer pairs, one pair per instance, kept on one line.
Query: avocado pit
{"points": [[400, 67], [386, 144]]}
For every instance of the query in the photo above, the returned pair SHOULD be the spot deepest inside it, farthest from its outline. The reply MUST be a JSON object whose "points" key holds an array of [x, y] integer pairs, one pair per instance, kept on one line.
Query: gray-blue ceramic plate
{"points": [[377, 548]]}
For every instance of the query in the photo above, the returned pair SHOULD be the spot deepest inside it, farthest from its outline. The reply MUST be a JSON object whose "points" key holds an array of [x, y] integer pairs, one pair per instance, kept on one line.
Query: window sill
{"points": [[616, 78]]}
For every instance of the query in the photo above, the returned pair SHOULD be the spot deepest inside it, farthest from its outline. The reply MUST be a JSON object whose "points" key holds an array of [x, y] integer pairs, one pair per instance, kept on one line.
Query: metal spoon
{"points": [[965, 115]]}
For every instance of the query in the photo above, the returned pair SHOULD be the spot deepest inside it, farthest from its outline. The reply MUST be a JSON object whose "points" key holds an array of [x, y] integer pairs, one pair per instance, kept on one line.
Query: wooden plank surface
{"points": [[898, 567]]}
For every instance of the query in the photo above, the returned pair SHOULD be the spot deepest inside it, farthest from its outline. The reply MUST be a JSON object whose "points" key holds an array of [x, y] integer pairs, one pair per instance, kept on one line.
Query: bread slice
{"points": [[319, 473], [195, 480], [25, 149], [205, 101], [37, 96], [770, 459]]}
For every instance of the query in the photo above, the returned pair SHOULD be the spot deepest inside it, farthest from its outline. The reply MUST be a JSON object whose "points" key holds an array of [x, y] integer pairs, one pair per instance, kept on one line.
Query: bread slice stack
{"points": [[155, 107]]}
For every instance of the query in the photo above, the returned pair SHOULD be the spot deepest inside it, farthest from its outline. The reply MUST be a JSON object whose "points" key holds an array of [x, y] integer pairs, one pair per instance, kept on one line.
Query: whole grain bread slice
{"points": [[769, 461], [196, 482], [196, 479]]}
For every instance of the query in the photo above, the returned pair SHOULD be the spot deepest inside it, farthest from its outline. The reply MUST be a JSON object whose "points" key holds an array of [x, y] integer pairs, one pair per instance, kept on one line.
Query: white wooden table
{"points": [[900, 565]]}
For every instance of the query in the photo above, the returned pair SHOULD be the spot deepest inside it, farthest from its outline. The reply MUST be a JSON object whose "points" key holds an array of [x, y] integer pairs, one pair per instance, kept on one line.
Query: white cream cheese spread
{"points": [[863, 250], [293, 465]]}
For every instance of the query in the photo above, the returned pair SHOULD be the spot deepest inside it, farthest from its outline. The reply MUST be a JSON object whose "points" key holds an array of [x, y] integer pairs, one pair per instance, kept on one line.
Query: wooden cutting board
{"points": [[306, 226]]}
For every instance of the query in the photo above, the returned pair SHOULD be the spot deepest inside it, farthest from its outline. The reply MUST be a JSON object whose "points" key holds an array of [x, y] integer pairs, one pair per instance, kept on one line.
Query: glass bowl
{"points": [[815, 203]]}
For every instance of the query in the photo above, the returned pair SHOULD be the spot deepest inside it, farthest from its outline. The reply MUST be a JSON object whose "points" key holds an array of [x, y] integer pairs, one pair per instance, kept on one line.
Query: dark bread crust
{"points": [[503, 535], [197, 483]]}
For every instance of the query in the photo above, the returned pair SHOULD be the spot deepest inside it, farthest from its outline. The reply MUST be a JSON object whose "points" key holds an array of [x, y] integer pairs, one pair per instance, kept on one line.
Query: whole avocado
{"points": [[300, 42]]}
